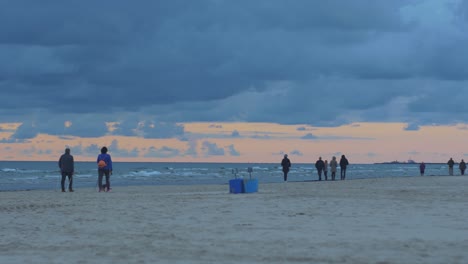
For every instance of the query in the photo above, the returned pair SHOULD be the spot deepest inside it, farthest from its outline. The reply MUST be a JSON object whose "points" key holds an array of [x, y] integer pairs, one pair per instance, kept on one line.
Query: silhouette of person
{"points": [[462, 167], [325, 169], [66, 164], [286, 164], [422, 168], [450, 164], [104, 162], [343, 165], [319, 165], [333, 166]]}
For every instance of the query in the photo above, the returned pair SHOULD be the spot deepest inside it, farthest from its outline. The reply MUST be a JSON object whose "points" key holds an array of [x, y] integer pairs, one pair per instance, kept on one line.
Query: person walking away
{"points": [[462, 167], [319, 165], [286, 164], [66, 164], [450, 164], [333, 166], [325, 169], [104, 162], [343, 165], [422, 168]]}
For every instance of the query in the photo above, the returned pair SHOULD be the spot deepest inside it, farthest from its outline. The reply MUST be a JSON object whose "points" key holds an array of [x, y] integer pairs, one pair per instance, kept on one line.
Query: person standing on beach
{"points": [[325, 169], [104, 162], [319, 165], [422, 168], [286, 164], [462, 167], [66, 164], [333, 166], [450, 164], [343, 164]]}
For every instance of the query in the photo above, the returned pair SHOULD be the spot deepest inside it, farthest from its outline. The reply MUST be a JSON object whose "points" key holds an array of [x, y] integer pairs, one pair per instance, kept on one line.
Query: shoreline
{"points": [[377, 220]]}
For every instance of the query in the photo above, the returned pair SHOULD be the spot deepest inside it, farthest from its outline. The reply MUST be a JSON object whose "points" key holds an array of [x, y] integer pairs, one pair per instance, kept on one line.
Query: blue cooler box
{"points": [[251, 186], [236, 186]]}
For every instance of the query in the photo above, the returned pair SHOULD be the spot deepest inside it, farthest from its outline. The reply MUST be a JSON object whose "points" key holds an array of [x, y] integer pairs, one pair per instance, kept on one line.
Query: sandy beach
{"points": [[386, 220]]}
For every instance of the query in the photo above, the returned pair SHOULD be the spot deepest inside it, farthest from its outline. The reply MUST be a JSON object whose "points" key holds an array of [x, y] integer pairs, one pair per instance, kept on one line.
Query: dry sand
{"points": [[386, 220]]}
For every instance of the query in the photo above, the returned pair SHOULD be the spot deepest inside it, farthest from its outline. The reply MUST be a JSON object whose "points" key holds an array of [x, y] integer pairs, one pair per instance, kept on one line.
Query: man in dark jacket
{"points": [[67, 168], [320, 165]]}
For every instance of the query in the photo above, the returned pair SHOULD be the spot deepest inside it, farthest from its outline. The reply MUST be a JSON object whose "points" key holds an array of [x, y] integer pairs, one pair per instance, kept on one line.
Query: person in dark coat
{"points": [[462, 167], [422, 168], [67, 168], [286, 164], [343, 165], [319, 165]]}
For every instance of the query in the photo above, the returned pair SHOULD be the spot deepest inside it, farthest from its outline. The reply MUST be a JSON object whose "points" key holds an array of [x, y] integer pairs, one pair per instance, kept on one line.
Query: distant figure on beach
{"points": [[286, 164], [333, 166], [319, 165], [104, 162], [325, 169], [66, 164], [462, 167], [422, 168], [450, 164], [343, 164]]}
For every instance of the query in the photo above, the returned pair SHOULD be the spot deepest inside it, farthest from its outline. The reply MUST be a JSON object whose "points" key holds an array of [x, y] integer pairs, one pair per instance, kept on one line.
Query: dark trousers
{"points": [[333, 175], [462, 172], [285, 175], [325, 174], [70, 180], [319, 171], [343, 173], [101, 173]]}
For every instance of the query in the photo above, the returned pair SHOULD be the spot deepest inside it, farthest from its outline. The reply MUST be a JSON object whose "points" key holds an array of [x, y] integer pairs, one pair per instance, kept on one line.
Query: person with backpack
{"points": [[104, 162]]}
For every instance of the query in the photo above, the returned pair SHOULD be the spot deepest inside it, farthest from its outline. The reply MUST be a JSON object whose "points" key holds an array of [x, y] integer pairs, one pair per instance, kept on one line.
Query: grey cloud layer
{"points": [[315, 62]]}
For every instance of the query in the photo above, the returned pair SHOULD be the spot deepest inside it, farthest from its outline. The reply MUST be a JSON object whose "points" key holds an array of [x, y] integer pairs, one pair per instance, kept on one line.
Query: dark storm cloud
{"points": [[323, 63]]}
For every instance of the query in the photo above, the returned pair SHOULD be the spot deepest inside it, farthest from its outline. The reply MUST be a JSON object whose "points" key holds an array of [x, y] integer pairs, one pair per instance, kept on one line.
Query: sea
{"points": [[32, 175]]}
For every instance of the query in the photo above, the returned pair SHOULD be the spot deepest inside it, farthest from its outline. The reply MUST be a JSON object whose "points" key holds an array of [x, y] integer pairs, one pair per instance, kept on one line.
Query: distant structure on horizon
{"points": [[410, 161]]}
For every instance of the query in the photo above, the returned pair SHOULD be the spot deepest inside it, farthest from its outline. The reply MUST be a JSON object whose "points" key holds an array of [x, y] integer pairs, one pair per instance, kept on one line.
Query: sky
{"points": [[234, 81]]}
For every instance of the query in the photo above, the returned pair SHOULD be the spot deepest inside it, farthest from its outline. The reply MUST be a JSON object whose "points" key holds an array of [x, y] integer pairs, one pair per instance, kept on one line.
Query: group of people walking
{"points": [[66, 164], [321, 166]]}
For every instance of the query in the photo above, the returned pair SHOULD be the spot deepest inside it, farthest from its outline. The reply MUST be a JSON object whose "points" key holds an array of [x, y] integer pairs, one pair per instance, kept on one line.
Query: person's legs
{"points": [[333, 175], [64, 175], [285, 175], [451, 171], [100, 174], [325, 174], [107, 179], [344, 173], [319, 174], [70, 182]]}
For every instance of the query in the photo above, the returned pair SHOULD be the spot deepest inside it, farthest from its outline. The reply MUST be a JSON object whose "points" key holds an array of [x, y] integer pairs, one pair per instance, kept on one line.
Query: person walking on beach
{"points": [[104, 162], [462, 167], [286, 164], [333, 166], [422, 168], [319, 165], [325, 169], [343, 164], [450, 164], [67, 168]]}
